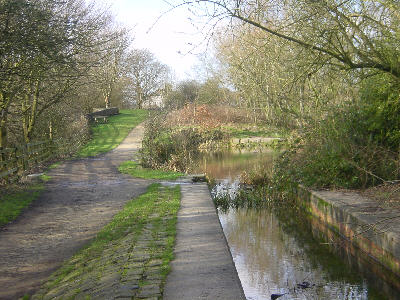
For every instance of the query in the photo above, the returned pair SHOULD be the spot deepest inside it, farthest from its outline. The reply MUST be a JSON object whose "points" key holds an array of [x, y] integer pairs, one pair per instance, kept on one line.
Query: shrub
{"points": [[340, 152], [174, 148], [380, 111]]}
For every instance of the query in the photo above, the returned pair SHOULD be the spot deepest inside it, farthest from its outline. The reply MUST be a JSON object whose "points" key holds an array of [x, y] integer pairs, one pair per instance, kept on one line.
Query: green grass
{"points": [[159, 200], [135, 214], [15, 198], [107, 136], [136, 170], [45, 177], [13, 202], [55, 165]]}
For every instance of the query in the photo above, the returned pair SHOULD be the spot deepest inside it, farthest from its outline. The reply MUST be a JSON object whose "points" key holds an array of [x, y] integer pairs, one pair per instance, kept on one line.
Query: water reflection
{"points": [[271, 261], [229, 165], [275, 249]]}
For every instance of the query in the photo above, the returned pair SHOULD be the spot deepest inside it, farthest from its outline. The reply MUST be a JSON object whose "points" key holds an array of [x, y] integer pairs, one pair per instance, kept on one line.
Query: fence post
{"points": [[25, 157], [53, 148], [15, 163], [19, 158], [36, 151], [51, 130]]}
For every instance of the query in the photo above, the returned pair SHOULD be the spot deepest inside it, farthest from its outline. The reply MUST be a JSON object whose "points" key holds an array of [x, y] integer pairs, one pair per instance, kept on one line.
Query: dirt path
{"points": [[79, 200]]}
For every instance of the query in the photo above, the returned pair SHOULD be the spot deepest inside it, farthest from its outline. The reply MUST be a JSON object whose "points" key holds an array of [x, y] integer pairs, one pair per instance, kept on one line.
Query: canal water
{"points": [[279, 251]]}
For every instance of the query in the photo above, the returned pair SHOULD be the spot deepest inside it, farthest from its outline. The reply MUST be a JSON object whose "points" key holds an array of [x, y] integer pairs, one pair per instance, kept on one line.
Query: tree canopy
{"points": [[351, 34]]}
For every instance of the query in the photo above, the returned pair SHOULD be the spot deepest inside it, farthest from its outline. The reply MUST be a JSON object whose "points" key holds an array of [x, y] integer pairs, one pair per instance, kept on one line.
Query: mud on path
{"points": [[81, 197]]}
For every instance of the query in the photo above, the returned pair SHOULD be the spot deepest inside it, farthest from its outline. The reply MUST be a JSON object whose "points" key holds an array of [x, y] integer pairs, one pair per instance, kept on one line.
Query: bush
{"points": [[380, 111], [209, 116], [341, 151], [174, 148]]}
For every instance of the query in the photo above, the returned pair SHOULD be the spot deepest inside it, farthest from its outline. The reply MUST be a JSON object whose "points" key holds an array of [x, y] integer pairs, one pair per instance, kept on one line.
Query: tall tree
{"points": [[146, 74], [110, 69], [46, 48]]}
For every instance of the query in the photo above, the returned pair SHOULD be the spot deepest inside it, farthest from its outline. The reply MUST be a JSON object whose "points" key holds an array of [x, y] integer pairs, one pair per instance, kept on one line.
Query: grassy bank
{"points": [[136, 170], [107, 136], [134, 249], [14, 199]]}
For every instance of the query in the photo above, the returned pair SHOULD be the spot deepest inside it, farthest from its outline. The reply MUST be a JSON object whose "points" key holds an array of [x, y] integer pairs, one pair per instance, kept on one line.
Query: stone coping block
{"points": [[373, 229]]}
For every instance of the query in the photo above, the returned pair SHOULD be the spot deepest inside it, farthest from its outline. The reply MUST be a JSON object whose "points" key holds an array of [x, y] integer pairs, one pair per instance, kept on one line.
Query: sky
{"points": [[171, 38]]}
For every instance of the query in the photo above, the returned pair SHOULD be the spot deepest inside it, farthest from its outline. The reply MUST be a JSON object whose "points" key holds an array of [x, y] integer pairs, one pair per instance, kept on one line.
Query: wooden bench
{"points": [[97, 118]]}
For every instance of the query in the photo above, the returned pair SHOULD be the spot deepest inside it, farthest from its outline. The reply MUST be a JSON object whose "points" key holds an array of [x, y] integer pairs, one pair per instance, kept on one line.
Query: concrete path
{"points": [[82, 196], [203, 267]]}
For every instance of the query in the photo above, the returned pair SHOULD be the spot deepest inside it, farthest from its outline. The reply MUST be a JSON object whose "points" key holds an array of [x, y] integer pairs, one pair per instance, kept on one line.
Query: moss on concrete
{"points": [[129, 258]]}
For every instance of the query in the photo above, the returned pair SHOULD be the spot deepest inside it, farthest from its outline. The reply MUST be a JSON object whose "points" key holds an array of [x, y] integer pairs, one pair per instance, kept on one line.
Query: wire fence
{"points": [[14, 162]]}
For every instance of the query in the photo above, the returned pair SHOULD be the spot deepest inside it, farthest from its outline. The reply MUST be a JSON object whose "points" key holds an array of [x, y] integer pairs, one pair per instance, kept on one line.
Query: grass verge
{"points": [[139, 240], [136, 170], [55, 165], [15, 199], [107, 136]]}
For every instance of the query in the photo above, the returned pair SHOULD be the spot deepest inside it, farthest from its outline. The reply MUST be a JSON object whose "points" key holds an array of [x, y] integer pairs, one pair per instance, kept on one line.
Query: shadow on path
{"points": [[81, 197]]}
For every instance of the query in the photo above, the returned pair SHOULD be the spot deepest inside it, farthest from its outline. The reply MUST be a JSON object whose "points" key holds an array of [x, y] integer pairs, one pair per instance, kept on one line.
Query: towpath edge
{"points": [[203, 267]]}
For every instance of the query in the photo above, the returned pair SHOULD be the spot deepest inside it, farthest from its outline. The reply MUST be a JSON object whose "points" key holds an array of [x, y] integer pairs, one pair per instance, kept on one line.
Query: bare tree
{"points": [[351, 34], [110, 69], [146, 74], [278, 78]]}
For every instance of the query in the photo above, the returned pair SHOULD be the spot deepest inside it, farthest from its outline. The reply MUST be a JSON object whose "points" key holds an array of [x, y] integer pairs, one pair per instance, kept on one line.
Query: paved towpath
{"points": [[81, 197], [203, 267]]}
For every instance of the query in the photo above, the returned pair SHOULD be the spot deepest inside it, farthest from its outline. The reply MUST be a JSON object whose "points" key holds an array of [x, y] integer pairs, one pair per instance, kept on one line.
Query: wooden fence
{"points": [[15, 162]]}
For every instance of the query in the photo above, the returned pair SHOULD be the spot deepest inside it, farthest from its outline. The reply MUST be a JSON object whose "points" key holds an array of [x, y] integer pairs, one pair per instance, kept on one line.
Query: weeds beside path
{"points": [[136, 170], [15, 198]]}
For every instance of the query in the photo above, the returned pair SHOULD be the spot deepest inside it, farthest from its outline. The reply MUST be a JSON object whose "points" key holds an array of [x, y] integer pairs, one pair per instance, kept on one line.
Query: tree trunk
{"points": [[4, 103], [29, 120], [107, 95], [140, 100], [3, 129]]}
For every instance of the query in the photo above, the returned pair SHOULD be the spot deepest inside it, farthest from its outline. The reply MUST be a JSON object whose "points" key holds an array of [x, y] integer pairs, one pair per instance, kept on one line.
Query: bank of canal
{"points": [[278, 250]]}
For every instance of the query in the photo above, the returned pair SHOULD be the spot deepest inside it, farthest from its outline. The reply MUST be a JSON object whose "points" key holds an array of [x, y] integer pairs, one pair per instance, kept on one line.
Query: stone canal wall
{"points": [[372, 229]]}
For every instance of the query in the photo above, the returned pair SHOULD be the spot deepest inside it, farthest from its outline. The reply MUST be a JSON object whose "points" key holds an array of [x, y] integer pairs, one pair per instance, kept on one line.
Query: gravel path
{"points": [[81, 197]]}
